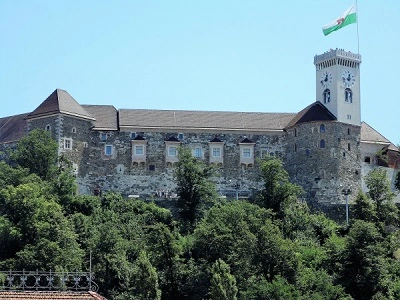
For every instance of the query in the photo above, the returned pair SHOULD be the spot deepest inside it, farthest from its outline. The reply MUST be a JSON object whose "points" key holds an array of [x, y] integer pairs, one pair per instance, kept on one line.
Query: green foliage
{"points": [[145, 279], [382, 196], [363, 208], [194, 187], [364, 266], [223, 283], [37, 152], [278, 190]]}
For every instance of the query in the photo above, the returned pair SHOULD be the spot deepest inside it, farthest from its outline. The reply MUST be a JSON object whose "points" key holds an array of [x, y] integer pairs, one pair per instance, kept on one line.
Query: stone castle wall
{"points": [[324, 159]]}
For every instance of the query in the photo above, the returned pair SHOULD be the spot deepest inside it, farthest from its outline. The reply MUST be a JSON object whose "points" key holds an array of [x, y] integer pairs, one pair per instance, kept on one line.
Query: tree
{"points": [[381, 194], [223, 283], [277, 188], [363, 208], [194, 186], [364, 266], [38, 153], [145, 279]]}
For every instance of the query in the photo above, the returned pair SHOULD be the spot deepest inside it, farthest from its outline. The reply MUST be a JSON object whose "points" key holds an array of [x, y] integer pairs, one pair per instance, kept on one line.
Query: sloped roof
{"points": [[314, 112], [184, 119], [370, 135], [12, 128], [60, 102], [31, 295], [106, 116]]}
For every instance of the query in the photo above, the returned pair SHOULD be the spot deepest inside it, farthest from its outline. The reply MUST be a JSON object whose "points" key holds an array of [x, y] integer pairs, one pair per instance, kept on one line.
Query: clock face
{"points": [[326, 79], [348, 78]]}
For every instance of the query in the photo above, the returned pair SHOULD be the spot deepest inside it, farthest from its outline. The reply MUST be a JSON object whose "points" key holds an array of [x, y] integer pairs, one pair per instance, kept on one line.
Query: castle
{"points": [[325, 147]]}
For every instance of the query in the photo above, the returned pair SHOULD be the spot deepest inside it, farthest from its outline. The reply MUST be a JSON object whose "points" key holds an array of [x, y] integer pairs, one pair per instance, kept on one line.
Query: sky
{"points": [[249, 56]]}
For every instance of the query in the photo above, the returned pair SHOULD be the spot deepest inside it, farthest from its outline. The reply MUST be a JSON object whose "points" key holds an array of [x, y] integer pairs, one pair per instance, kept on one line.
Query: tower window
{"points": [[73, 130], [367, 160], [322, 128], [295, 132], [108, 150], [327, 96], [348, 95], [48, 127], [180, 136], [295, 148], [348, 130], [322, 143]]}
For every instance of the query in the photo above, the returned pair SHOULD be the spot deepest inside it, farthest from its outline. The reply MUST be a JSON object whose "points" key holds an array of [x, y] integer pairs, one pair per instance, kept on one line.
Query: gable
{"points": [[314, 112], [60, 102]]}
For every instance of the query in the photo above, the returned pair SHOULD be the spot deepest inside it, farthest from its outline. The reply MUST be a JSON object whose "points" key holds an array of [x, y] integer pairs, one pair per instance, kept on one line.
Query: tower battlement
{"points": [[321, 59]]}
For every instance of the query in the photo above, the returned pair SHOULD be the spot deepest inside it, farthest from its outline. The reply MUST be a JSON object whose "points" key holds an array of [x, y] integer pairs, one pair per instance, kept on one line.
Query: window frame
{"points": [[67, 141], [111, 150]]}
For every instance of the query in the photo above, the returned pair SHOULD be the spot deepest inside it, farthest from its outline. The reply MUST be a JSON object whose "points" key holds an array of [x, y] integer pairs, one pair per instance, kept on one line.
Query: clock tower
{"points": [[338, 84]]}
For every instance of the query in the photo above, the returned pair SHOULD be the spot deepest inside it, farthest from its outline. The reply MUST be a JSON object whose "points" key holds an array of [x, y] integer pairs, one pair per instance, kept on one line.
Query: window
{"points": [[348, 130], [67, 144], [216, 152], [322, 128], [348, 147], [327, 96], [295, 132], [103, 137], [307, 152], [73, 130], [133, 135], [180, 136], [48, 127], [348, 117], [322, 143], [139, 145], [85, 145], [348, 95], [139, 150], [152, 168], [108, 150], [198, 152], [264, 153], [295, 147], [246, 152], [367, 160], [172, 151]]}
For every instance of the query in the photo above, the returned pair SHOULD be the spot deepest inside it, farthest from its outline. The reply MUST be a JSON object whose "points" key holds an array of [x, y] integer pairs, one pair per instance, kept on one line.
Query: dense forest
{"points": [[270, 247]]}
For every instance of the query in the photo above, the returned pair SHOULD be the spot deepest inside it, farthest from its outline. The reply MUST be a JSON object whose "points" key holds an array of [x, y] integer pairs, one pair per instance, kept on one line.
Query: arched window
{"points": [[322, 143], [295, 132], [327, 96], [348, 95], [322, 128], [48, 127], [295, 147]]}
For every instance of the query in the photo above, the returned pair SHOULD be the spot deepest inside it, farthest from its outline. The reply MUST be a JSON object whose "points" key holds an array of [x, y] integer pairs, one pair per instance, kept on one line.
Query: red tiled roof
{"points": [[56, 295]]}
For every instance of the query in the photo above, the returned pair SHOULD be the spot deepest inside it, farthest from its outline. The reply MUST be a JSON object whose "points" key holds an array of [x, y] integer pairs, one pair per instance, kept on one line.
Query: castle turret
{"points": [[338, 84]]}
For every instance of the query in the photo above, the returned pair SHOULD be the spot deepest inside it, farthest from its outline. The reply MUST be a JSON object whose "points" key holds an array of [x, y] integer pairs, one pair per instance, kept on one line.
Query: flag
{"points": [[348, 17]]}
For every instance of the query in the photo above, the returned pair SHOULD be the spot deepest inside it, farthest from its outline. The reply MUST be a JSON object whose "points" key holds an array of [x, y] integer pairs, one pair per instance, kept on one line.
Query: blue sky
{"points": [[232, 55]]}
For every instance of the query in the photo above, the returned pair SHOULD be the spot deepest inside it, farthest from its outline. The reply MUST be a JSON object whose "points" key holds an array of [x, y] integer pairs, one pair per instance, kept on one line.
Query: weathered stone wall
{"points": [[324, 170], [155, 176]]}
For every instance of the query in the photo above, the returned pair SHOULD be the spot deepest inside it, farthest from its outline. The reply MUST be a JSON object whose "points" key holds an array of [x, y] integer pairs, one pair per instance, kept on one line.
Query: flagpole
{"points": [[358, 38]]}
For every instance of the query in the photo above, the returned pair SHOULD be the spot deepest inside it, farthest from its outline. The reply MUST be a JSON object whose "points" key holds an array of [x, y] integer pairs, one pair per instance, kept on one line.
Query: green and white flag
{"points": [[348, 17]]}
